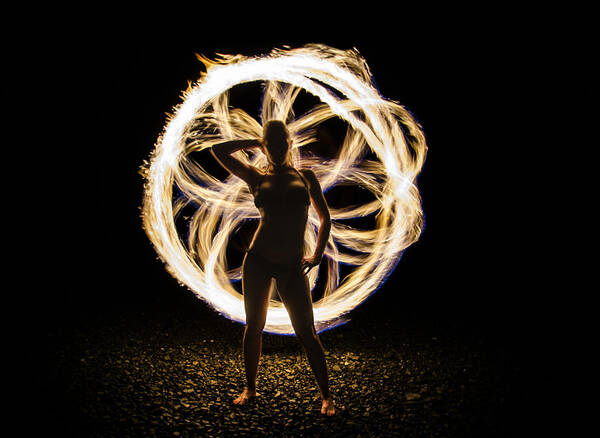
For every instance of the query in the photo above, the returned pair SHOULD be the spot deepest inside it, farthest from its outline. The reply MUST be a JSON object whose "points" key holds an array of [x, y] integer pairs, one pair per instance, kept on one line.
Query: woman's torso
{"points": [[282, 199]]}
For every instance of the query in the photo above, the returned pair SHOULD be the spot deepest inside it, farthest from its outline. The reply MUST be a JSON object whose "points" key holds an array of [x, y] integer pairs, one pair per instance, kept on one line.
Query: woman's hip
{"points": [[255, 259]]}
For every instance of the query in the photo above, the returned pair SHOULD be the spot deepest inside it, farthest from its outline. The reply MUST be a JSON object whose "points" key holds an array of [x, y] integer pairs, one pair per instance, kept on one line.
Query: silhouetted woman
{"points": [[282, 194]]}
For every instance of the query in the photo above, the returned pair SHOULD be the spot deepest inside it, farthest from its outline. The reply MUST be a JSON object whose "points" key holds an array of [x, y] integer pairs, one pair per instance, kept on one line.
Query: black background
{"points": [[473, 85]]}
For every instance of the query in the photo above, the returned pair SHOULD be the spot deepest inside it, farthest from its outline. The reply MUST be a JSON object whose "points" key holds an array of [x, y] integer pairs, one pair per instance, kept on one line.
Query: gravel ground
{"points": [[175, 373]]}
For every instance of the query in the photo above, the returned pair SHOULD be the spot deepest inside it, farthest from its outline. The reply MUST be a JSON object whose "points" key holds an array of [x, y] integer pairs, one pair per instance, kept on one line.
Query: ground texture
{"points": [[175, 373]]}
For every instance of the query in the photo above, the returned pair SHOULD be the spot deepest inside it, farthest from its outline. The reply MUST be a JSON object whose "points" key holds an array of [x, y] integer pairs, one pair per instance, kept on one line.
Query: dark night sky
{"points": [[469, 87]]}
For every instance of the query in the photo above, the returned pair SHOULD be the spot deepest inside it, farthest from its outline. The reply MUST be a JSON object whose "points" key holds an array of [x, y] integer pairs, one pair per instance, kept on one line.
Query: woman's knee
{"points": [[308, 337], [254, 327]]}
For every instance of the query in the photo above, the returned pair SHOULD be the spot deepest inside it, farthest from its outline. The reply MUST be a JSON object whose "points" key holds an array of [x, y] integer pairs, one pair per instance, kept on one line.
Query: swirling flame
{"points": [[342, 81]]}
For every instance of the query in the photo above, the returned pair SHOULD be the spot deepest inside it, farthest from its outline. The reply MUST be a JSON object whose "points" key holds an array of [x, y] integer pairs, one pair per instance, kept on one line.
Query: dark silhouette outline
{"points": [[282, 194]]}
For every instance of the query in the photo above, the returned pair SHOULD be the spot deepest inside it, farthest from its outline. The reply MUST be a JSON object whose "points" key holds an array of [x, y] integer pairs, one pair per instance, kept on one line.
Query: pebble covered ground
{"points": [[175, 373]]}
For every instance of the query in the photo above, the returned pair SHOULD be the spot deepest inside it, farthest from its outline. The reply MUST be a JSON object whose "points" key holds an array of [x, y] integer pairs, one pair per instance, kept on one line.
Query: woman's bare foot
{"points": [[245, 396], [327, 408]]}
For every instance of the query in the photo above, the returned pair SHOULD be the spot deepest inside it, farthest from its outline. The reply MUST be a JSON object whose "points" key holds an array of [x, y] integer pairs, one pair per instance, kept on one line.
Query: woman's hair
{"points": [[276, 141]]}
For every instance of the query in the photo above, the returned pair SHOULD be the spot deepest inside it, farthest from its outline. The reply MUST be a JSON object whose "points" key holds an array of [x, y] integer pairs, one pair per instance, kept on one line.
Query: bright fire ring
{"points": [[341, 80]]}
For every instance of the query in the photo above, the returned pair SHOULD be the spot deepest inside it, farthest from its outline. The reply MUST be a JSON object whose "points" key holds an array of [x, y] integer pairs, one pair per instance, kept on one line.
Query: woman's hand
{"points": [[310, 262], [223, 154]]}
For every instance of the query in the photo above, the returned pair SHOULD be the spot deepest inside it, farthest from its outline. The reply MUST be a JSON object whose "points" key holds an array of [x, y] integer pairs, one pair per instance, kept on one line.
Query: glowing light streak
{"points": [[342, 82]]}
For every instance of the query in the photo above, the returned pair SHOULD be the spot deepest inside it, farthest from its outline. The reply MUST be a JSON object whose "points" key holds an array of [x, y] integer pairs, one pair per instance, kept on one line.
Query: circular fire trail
{"points": [[377, 127]]}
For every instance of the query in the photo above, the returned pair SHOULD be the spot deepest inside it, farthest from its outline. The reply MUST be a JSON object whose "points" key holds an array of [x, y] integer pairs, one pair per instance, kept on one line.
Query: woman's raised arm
{"points": [[223, 154]]}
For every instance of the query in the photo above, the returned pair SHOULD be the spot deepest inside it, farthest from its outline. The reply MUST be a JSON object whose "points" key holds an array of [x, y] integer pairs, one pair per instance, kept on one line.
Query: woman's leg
{"points": [[256, 282], [295, 293]]}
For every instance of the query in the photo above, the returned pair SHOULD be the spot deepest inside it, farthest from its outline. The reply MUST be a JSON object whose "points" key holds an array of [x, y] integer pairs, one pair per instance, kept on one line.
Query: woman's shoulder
{"points": [[308, 173], [310, 177], [256, 180]]}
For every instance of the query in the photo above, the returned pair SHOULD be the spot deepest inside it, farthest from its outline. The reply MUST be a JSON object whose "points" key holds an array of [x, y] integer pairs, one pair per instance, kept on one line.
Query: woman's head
{"points": [[276, 143]]}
